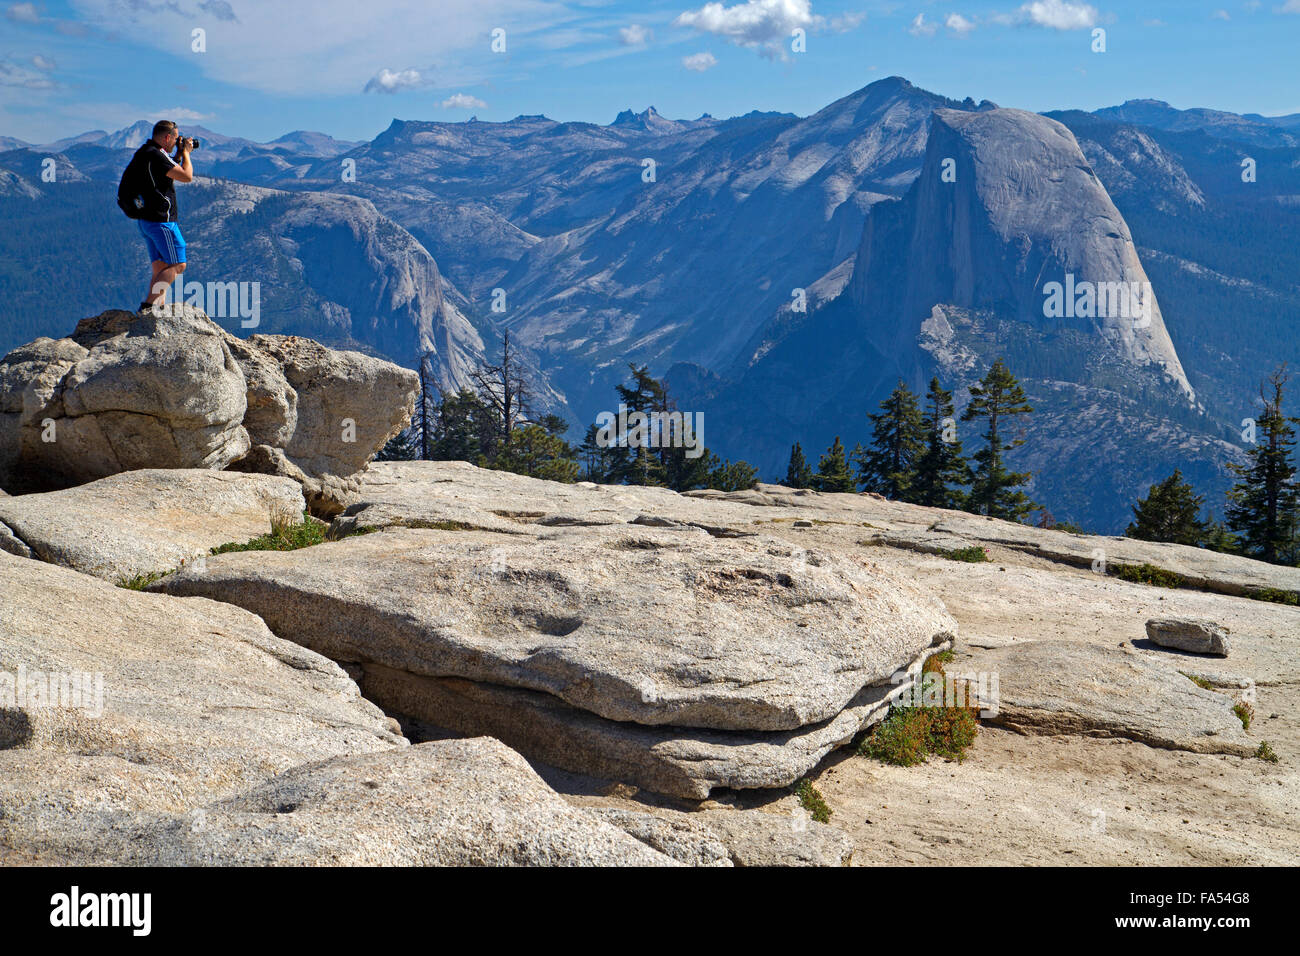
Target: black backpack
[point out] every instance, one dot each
(130, 191)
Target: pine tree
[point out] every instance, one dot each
(505, 390)
(994, 489)
(729, 475)
(833, 470)
(1219, 538)
(404, 446)
(1264, 504)
(888, 467)
(942, 466)
(462, 428)
(535, 452)
(1170, 512)
(799, 473)
(639, 464)
(598, 461)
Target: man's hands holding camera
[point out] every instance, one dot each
(186, 144)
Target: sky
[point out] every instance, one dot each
(262, 68)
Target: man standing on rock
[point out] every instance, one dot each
(154, 174)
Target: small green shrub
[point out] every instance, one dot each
(1265, 752)
(288, 533)
(810, 798)
(972, 555)
(910, 735)
(1275, 595)
(1244, 712)
(1149, 574)
(141, 581)
(951, 731)
(899, 739)
(1198, 680)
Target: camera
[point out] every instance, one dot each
(181, 140)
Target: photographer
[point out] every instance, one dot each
(153, 174)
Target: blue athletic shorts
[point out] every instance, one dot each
(164, 240)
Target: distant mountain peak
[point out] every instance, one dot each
(643, 120)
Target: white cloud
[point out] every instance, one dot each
(13, 74)
(699, 62)
(959, 24)
(1291, 6)
(847, 21)
(463, 101)
(1220, 15)
(1056, 15)
(920, 28)
(764, 25)
(635, 35)
(182, 115)
(335, 47)
(23, 13)
(388, 81)
(43, 63)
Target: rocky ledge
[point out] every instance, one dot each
(169, 388)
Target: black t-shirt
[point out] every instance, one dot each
(157, 189)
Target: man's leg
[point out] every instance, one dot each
(155, 292)
(162, 278)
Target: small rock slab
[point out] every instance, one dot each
(676, 761)
(640, 625)
(138, 522)
(1189, 634)
(1070, 687)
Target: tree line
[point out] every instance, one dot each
(492, 424)
(1262, 512)
(914, 456)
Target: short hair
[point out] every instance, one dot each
(163, 127)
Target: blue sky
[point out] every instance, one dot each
(347, 68)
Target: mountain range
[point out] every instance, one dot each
(782, 272)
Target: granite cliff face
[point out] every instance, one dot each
(1005, 245)
(1006, 214)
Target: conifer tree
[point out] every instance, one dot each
(463, 428)
(1170, 512)
(888, 467)
(503, 388)
(598, 460)
(798, 474)
(1264, 505)
(639, 465)
(729, 475)
(995, 490)
(833, 470)
(537, 453)
(942, 469)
